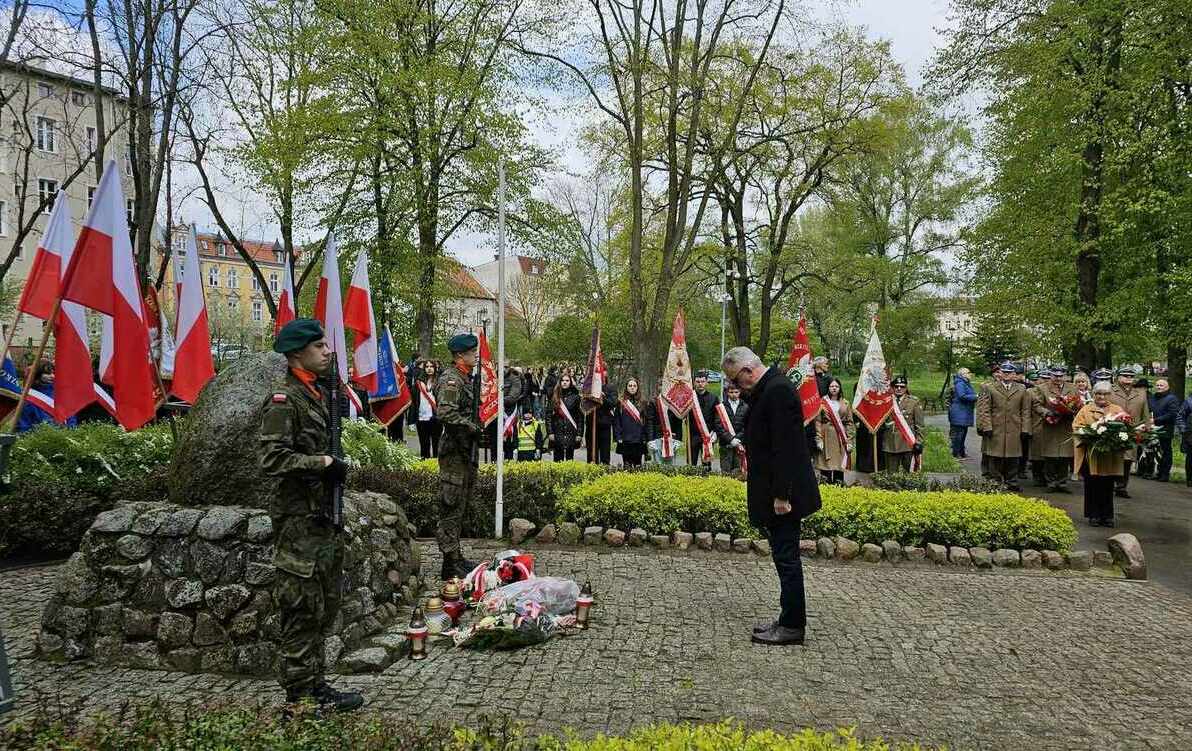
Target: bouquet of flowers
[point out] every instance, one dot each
(1063, 408)
(1109, 435)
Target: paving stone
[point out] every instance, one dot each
(825, 548)
(637, 537)
(548, 534)
(1127, 553)
(937, 553)
(914, 553)
(1032, 559)
(593, 535)
(1080, 560)
(982, 557)
(660, 541)
(959, 556)
(871, 553)
(614, 538)
(682, 540)
(519, 530)
(892, 551)
(722, 543)
(569, 533)
(703, 540)
(742, 545)
(1006, 558)
(846, 549)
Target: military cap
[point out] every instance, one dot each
(1055, 371)
(1128, 370)
(701, 374)
(898, 381)
(1034, 375)
(1019, 368)
(462, 342)
(1101, 374)
(1007, 367)
(297, 334)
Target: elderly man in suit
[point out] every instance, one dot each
(1134, 402)
(1003, 414)
(781, 488)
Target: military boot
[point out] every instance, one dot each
(464, 565)
(451, 565)
(340, 701)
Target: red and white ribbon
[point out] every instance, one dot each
(562, 411)
(631, 409)
(704, 434)
(428, 395)
(668, 446)
(908, 435)
(727, 424)
(509, 423)
(838, 426)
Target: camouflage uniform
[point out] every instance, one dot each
(457, 467)
(309, 552)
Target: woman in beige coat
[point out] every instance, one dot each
(833, 454)
(1098, 469)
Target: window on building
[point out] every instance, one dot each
(257, 311)
(233, 305)
(256, 285)
(79, 98)
(279, 256)
(213, 276)
(274, 284)
(130, 211)
(20, 252)
(45, 90)
(90, 195)
(180, 271)
(46, 130)
(47, 190)
(221, 249)
(128, 160)
(92, 139)
(233, 280)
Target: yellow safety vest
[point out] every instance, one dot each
(525, 435)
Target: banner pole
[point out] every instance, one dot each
(499, 511)
(11, 333)
(41, 350)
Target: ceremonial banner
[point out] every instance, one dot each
(874, 399)
(592, 393)
(329, 311)
(392, 397)
(194, 366)
(490, 400)
(359, 319)
(677, 389)
(799, 370)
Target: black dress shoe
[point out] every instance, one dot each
(1107, 523)
(780, 636)
(1122, 493)
(761, 628)
(341, 701)
(1094, 522)
(1013, 486)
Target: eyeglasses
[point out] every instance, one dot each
(733, 379)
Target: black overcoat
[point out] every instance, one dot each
(779, 460)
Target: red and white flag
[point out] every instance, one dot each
(592, 393)
(677, 389)
(359, 319)
(799, 370)
(874, 399)
(908, 434)
(287, 309)
(103, 276)
(72, 355)
(329, 311)
(490, 400)
(193, 365)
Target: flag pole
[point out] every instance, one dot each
(41, 350)
(499, 513)
(11, 333)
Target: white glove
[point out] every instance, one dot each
(735, 442)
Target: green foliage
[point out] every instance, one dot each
(94, 457)
(659, 504)
(156, 725)
(923, 483)
(937, 452)
(565, 339)
(366, 444)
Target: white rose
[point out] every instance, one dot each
(1101, 429)
(1124, 436)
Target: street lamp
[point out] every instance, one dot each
(725, 297)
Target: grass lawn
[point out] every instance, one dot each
(937, 454)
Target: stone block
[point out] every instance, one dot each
(549, 534)
(142, 654)
(981, 557)
(1006, 558)
(846, 549)
(722, 543)
(186, 659)
(742, 545)
(703, 540)
(108, 619)
(134, 547)
(115, 520)
(593, 535)
(77, 583)
(914, 553)
(216, 659)
(871, 553)
(260, 528)
(520, 529)
(71, 621)
(807, 548)
(244, 624)
(108, 650)
(637, 537)
(660, 541)
(892, 550)
(366, 660)
(1031, 559)
(1127, 553)
(149, 522)
(139, 624)
(682, 540)
(762, 547)
(172, 557)
(49, 644)
(959, 556)
(180, 523)
(220, 523)
(1102, 559)
(394, 643)
(184, 593)
(208, 560)
(226, 599)
(261, 574)
(333, 647)
(937, 553)
(569, 533)
(208, 631)
(825, 548)
(1080, 560)
(614, 538)
(1053, 560)
(174, 630)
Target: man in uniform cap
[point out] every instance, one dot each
(1003, 410)
(1038, 381)
(1134, 402)
(457, 463)
(897, 454)
(308, 549)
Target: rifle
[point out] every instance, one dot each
(333, 502)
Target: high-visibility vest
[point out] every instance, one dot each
(526, 431)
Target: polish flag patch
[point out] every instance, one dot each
(279, 398)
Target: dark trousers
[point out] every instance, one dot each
(603, 449)
(1024, 460)
(1098, 495)
(730, 459)
(897, 462)
(784, 547)
(957, 434)
(1124, 479)
(831, 477)
(695, 450)
(1056, 470)
(632, 453)
(1039, 471)
(1163, 468)
(527, 456)
(1003, 470)
(428, 437)
(564, 454)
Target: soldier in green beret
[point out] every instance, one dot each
(308, 550)
(457, 463)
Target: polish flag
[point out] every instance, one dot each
(800, 372)
(286, 309)
(72, 356)
(102, 275)
(329, 311)
(193, 365)
(359, 319)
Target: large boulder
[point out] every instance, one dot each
(215, 461)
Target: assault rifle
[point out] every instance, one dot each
(333, 502)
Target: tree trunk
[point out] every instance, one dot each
(1177, 365)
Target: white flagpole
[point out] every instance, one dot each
(498, 517)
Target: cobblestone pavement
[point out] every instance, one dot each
(973, 660)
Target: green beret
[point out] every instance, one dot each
(462, 343)
(297, 334)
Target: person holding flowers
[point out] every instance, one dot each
(1133, 401)
(1102, 433)
(1055, 403)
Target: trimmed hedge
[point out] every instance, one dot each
(923, 483)
(155, 725)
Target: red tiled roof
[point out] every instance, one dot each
(527, 264)
(463, 280)
(260, 250)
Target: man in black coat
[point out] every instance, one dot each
(730, 444)
(781, 488)
(1165, 406)
(705, 402)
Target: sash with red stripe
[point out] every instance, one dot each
(727, 424)
(668, 447)
(703, 432)
(838, 426)
(908, 435)
(631, 409)
(510, 421)
(562, 411)
(427, 395)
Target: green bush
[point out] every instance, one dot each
(937, 452)
(923, 483)
(94, 457)
(366, 444)
(662, 504)
(155, 725)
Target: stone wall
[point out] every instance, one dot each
(167, 586)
